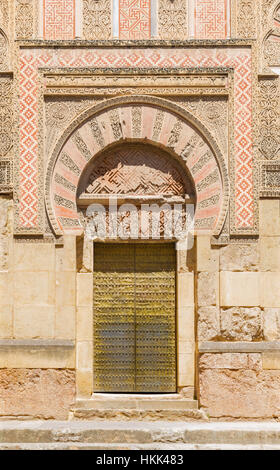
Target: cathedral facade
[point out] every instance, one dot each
(125, 106)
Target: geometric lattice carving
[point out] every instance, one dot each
(5, 176)
(210, 19)
(135, 171)
(59, 19)
(270, 180)
(135, 19)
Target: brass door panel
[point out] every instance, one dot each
(134, 318)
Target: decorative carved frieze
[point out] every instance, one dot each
(127, 78)
(97, 21)
(172, 19)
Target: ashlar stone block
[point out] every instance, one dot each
(239, 258)
(239, 289)
(207, 289)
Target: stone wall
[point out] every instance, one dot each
(238, 385)
(36, 393)
(37, 324)
(233, 383)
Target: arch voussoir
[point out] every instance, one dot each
(142, 119)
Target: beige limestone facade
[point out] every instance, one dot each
(183, 104)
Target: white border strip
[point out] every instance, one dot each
(78, 19)
(191, 18)
(228, 13)
(116, 26)
(154, 19)
(40, 19)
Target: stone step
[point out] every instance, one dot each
(137, 407)
(169, 414)
(135, 434)
(136, 404)
(122, 446)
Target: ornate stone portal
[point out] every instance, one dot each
(169, 101)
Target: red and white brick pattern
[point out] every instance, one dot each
(134, 19)
(210, 19)
(59, 19)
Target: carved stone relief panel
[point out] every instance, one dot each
(6, 132)
(97, 19)
(213, 112)
(270, 179)
(24, 19)
(271, 33)
(5, 15)
(59, 112)
(172, 19)
(4, 52)
(269, 119)
(246, 19)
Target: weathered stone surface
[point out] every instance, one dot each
(271, 324)
(239, 258)
(240, 393)
(139, 415)
(36, 393)
(112, 435)
(234, 361)
(187, 392)
(241, 324)
(208, 323)
(6, 222)
(207, 289)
